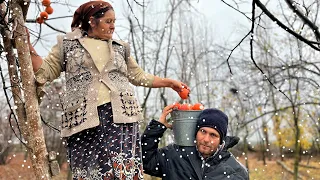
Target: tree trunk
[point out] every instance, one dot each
(4, 155)
(281, 151)
(263, 151)
(246, 151)
(267, 143)
(32, 131)
(296, 145)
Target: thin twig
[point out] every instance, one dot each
(240, 12)
(234, 49)
(251, 51)
(138, 3)
(315, 29)
(273, 18)
(134, 15)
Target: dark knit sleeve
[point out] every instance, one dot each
(152, 157)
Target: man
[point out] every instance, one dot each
(209, 159)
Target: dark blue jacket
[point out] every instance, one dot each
(175, 162)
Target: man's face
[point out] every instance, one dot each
(208, 140)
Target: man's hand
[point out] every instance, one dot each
(163, 117)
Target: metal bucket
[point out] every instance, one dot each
(184, 126)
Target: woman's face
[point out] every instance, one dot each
(103, 28)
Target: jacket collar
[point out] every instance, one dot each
(222, 151)
(231, 141)
(76, 34)
(195, 160)
(195, 157)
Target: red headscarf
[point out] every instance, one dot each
(85, 11)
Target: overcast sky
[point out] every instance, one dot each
(224, 21)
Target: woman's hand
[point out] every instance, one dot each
(178, 86)
(163, 118)
(166, 82)
(35, 58)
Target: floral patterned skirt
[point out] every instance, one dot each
(108, 151)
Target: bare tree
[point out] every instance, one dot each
(26, 98)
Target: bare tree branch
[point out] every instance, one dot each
(273, 18)
(239, 11)
(296, 10)
(251, 50)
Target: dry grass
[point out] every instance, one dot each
(270, 171)
(307, 170)
(20, 169)
(273, 171)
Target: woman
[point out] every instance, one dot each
(101, 113)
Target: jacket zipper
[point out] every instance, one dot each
(202, 167)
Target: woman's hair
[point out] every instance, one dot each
(101, 12)
(82, 15)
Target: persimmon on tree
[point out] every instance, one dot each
(49, 10)
(46, 3)
(44, 15)
(40, 20)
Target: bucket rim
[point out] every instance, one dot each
(187, 110)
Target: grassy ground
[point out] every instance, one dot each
(273, 171)
(20, 169)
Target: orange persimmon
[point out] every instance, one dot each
(49, 9)
(197, 106)
(44, 15)
(176, 105)
(185, 107)
(40, 20)
(46, 3)
(184, 93)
